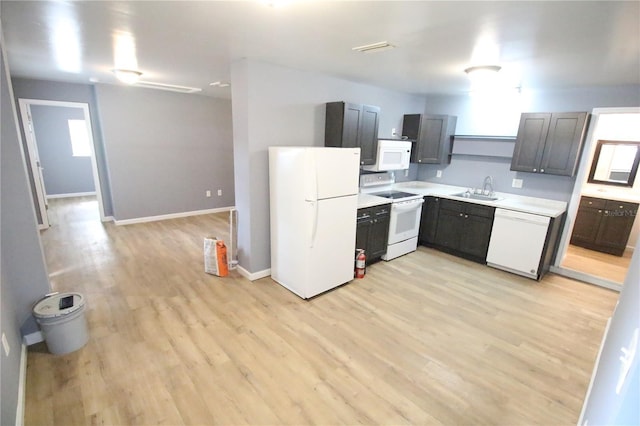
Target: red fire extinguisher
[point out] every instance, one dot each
(361, 260)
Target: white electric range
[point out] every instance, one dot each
(406, 209)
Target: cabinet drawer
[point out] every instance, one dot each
(446, 204)
(596, 203)
(381, 211)
(480, 210)
(622, 208)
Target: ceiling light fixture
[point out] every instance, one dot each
(219, 84)
(483, 77)
(127, 76)
(168, 87)
(373, 47)
(490, 69)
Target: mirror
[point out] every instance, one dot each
(615, 163)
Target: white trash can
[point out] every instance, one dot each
(62, 321)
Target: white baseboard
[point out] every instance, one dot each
(171, 216)
(71, 195)
(108, 219)
(22, 386)
(252, 276)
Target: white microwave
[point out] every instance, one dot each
(391, 155)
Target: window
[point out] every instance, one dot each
(79, 138)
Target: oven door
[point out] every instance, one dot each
(405, 220)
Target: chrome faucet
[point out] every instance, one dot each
(488, 181)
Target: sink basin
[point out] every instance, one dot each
(472, 196)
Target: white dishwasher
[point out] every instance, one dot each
(517, 241)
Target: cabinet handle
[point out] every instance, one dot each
(621, 207)
(541, 170)
(590, 202)
(599, 211)
(466, 215)
(461, 214)
(535, 170)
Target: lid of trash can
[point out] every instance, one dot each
(57, 305)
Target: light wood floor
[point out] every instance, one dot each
(425, 339)
(603, 265)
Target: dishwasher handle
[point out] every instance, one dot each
(521, 216)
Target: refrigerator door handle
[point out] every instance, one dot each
(314, 225)
(311, 186)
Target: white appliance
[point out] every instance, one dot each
(517, 241)
(391, 155)
(314, 202)
(406, 209)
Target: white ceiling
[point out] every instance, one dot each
(540, 45)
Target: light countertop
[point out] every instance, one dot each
(539, 206)
(368, 200)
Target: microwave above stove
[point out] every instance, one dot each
(391, 155)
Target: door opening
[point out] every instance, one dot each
(78, 131)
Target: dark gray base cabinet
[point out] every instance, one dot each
(604, 225)
(349, 125)
(372, 231)
(457, 227)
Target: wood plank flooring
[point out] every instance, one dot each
(425, 339)
(603, 265)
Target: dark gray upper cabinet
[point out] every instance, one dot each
(349, 125)
(431, 135)
(549, 143)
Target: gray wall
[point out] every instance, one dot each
(23, 273)
(274, 105)
(63, 173)
(500, 117)
(165, 150)
(69, 92)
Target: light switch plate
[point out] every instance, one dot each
(439, 173)
(516, 183)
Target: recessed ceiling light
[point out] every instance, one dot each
(219, 84)
(127, 76)
(374, 47)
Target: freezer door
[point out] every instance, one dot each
(331, 172)
(330, 256)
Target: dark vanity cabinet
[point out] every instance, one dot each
(549, 143)
(349, 125)
(372, 231)
(603, 225)
(457, 227)
(431, 135)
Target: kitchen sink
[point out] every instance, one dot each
(473, 196)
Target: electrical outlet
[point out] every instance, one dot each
(219, 192)
(5, 345)
(439, 174)
(208, 193)
(516, 183)
(393, 132)
(406, 172)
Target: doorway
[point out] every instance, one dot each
(72, 169)
(584, 261)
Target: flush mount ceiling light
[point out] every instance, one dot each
(483, 77)
(127, 76)
(219, 84)
(374, 47)
(483, 69)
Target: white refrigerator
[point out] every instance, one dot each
(314, 201)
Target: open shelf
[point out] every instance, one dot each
(483, 146)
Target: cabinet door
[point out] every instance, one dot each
(448, 230)
(379, 234)
(433, 138)
(342, 124)
(563, 143)
(615, 226)
(351, 125)
(530, 141)
(429, 220)
(363, 230)
(586, 226)
(475, 236)
(368, 134)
